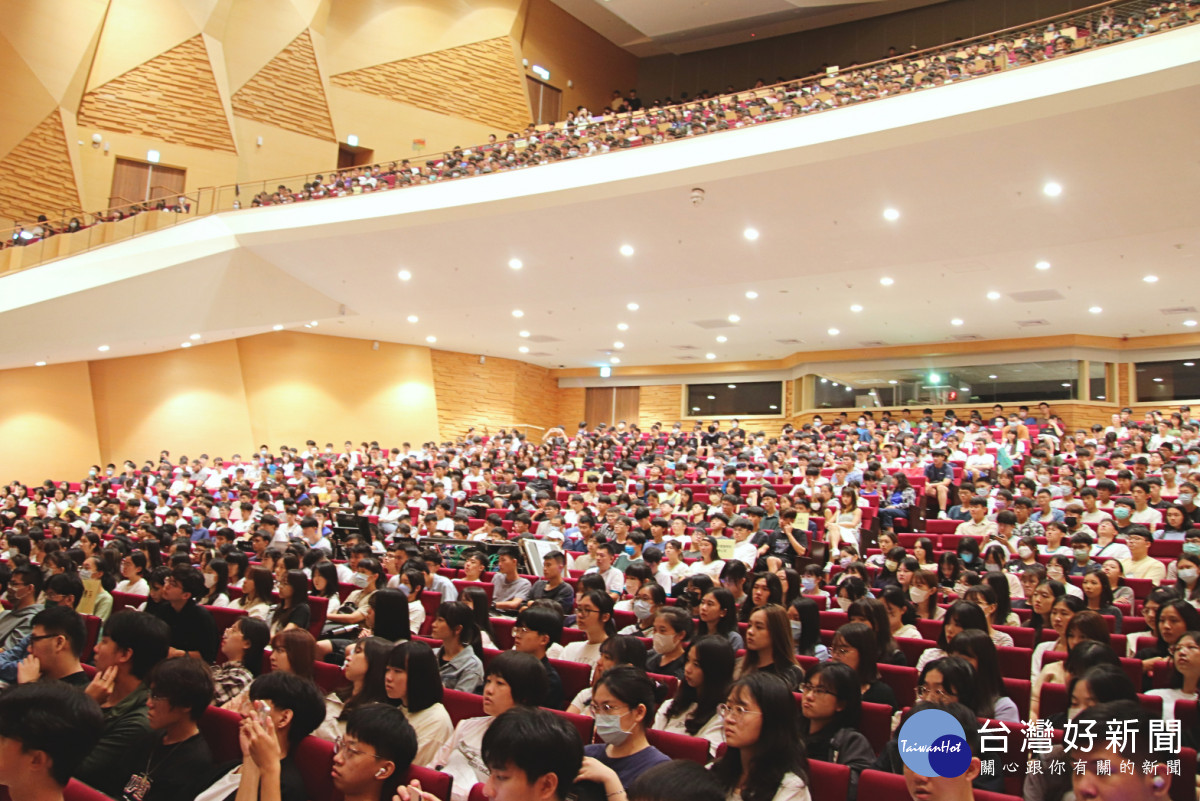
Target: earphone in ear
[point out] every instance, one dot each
(379, 774)
(1159, 782)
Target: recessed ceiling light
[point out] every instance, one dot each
(314, 323)
(431, 339)
(750, 233)
(523, 333)
(523, 349)
(622, 326)
(614, 360)
(824, 380)
(712, 397)
(956, 321)
(1043, 265)
(1095, 309)
(618, 345)
(722, 338)
(887, 281)
(710, 355)
(834, 384)
(1150, 279)
(893, 381)
(732, 386)
(1158, 380)
(516, 264)
(632, 306)
(626, 250)
(833, 332)
(103, 348)
(1190, 323)
(856, 308)
(1052, 189)
(39, 364)
(185, 344)
(404, 275)
(993, 377)
(194, 336)
(733, 318)
(993, 295)
(412, 318)
(751, 294)
(518, 313)
(891, 214)
(277, 327)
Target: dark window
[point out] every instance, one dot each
(732, 399)
(1168, 381)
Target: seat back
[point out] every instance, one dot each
(876, 724)
(432, 781)
(125, 600)
(78, 791)
(328, 677)
(92, 625)
(679, 746)
(224, 617)
(460, 705)
(828, 781)
(219, 728)
(1020, 691)
(318, 606)
(314, 758)
(913, 648)
(583, 724)
(575, 676)
(902, 680)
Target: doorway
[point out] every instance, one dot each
(545, 102)
(354, 156)
(610, 405)
(142, 182)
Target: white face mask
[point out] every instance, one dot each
(1025, 552)
(85, 574)
(918, 594)
(1187, 574)
(210, 580)
(844, 603)
(663, 643)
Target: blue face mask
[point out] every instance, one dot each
(629, 550)
(967, 557)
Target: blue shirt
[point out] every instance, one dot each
(630, 767)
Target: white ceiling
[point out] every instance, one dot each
(654, 27)
(973, 220)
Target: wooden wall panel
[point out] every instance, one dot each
(660, 404)
(288, 93)
(36, 176)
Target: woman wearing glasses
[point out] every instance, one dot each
(764, 757)
(623, 705)
(855, 645)
(1185, 657)
(831, 712)
(707, 675)
(593, 616)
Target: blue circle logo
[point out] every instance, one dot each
(932, 743)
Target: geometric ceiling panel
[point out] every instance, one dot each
(287, 92)
(479, 81)
(36, 176)
(172, 97)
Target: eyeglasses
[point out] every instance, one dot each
(842, 650)
(815, 689)
(581, 611)
(606, 709)
(731, 711)
(1189, 647)
(520, 631)
(39, 637)
(924, 691)
(340, 745)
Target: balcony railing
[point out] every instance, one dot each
(69, 232)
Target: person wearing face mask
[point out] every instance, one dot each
(1122, 515)
(1187, 576)
(650, 598)
(673, 628)
(97, 583)
(1081, 549)
(1188, 495)
(617, 650)
(1106, 546)
(804, 621)
(623, 704)
(969, 553)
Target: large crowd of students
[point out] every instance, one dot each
(630, 122)
(720, 590)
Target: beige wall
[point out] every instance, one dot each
(47, 426)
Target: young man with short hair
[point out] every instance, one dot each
(45, 731)
(193, 630)
(552, 586)
(374, 754)
(510, 589)
(62, 589)
(55, 646)
(606, 556)
(1140, 564)
(978, 526)
(531, 755)
(23, 590)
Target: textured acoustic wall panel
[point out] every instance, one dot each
(287, 92)
(172, 97)
(479, 81)
(36, 176)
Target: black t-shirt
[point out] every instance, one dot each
(192, 628)
(291, 781)
(80, 680)
(174, 771)
(301, 615)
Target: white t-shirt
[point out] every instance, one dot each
(139, 587)
(433, 727)
(791, 788)
(1169, 697)
(712, 730)
(462, 757)
(579, 651)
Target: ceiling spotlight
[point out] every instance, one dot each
(194, 336)
(993, 377)
(185, 344)
(618, 345)
(751, 294)
(935, 379)
(834, 384)
(523, 349)
(956, 321)
(1066, 383)
(518, 313)
(614, 360)
(404, 275)
(1095, 309)
(722, 338)
(733, 318)
(626, 250)
(833, 332)
(712, 397)
(849, 389)
(1157, 381)
(1150, 279)
(39, 364)
(732, 386)
(750, 233)
(993, 295)
(632, 306)
(824, 380)
(1043, 265)
(856, 308)
(710, 355)
(523, 333)
(893, 381)
(277, 328)
(412, 318)
(431, 339)
(516, 264)
(1185, 364)
(622, 326)
(891, 215)
(887, 281)
(313, 323)
(1052, 189)
(103, 348)
(1190, 323)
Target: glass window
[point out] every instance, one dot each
(761, 398)
(1168, 381)
(1018, 382)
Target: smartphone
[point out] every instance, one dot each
(262, 711)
